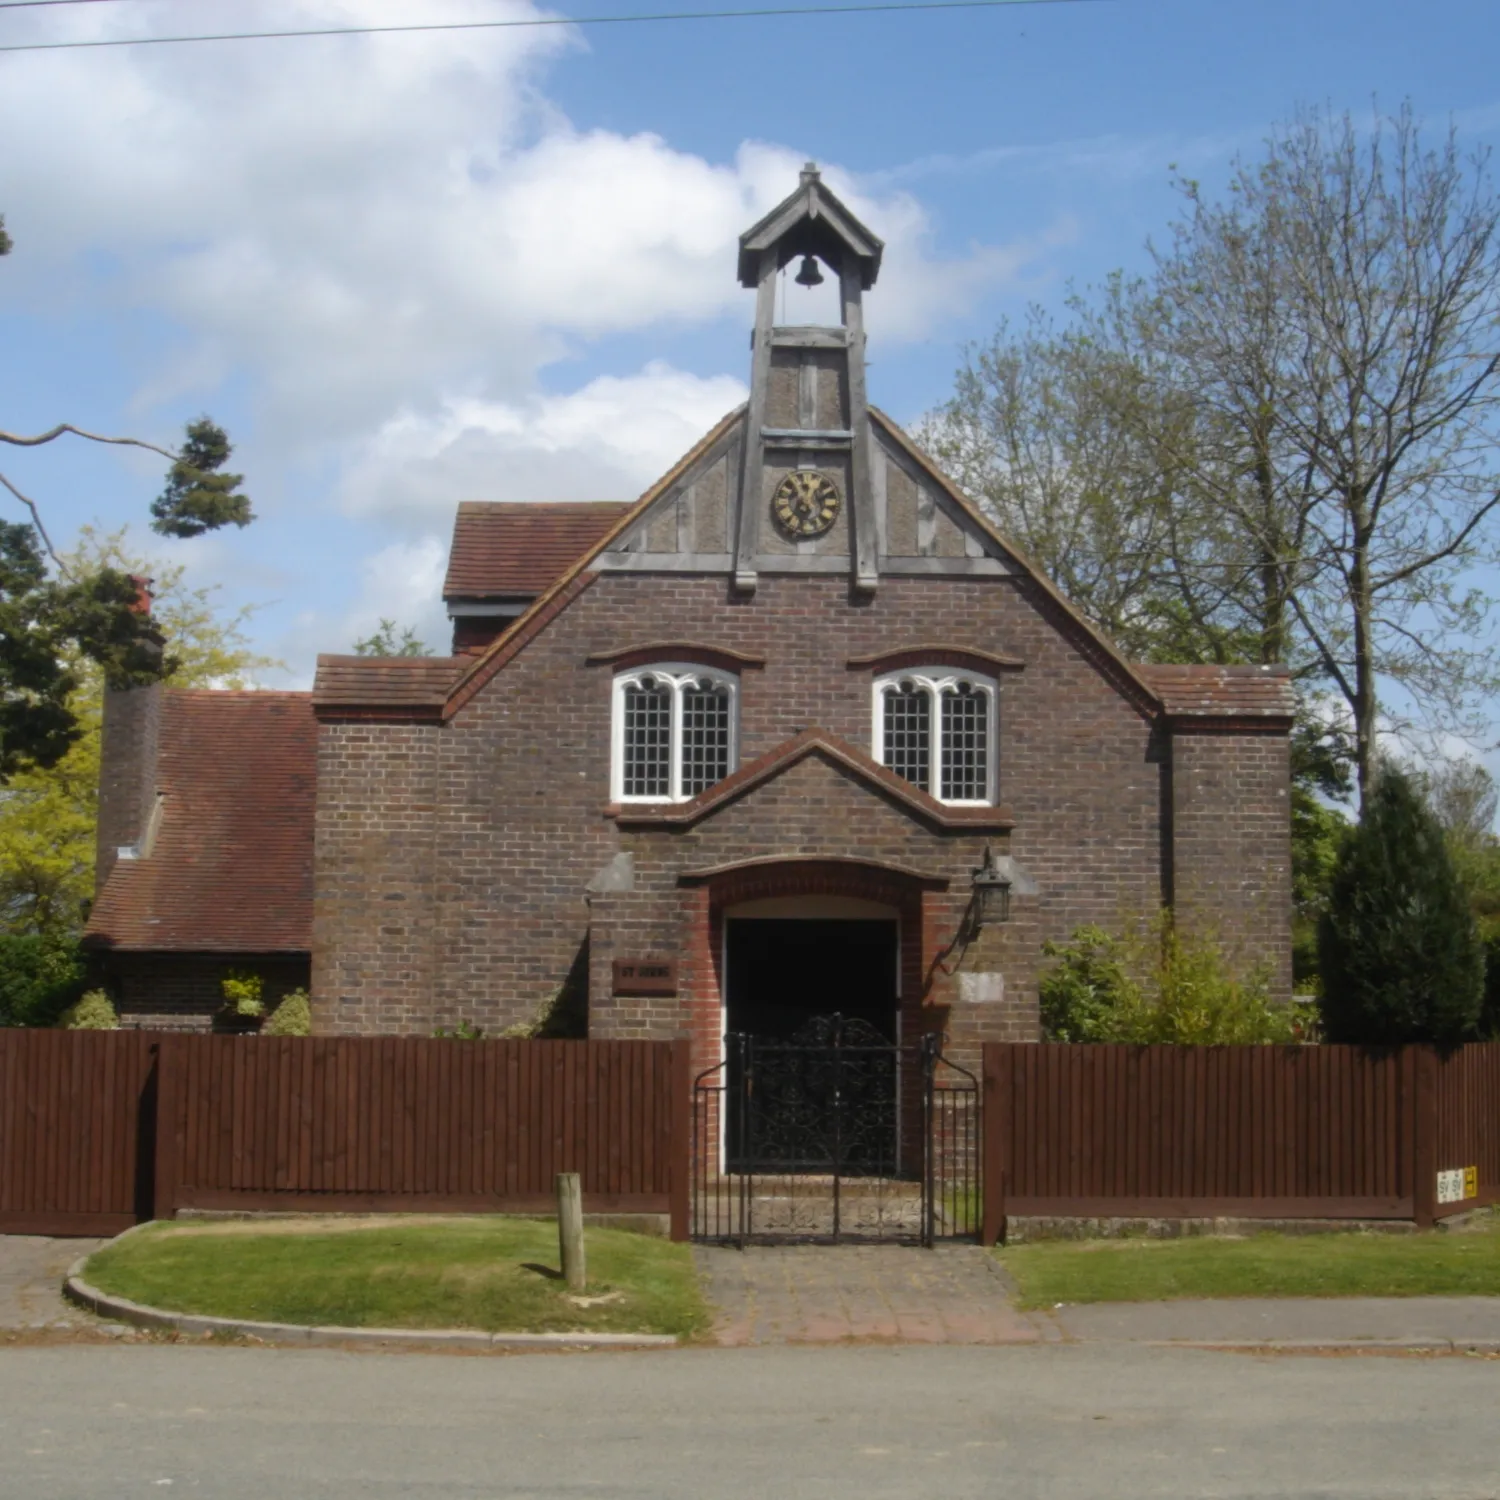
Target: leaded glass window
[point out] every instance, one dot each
(966, 743)
(705, 735)
(648, 738)
(908, 732)
(675, 733)
(937, 730)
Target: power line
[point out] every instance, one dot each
(676, 15)
(34, 4)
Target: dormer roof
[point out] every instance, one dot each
(811, 221)
(505, 550)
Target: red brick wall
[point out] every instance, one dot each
(375, 877)
(453, 861)
(129, 740)
(1231, 869)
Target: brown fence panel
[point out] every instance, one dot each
(76, 1116)
(1187, 1131)
(359, 1123)
(1468, 1121)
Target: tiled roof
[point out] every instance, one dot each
(503, 550)
(1222, 692)
(230, 869)
(396, 681)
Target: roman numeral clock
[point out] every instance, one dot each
(806, 503)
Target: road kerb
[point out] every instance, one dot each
(198, 1325)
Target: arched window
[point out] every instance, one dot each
(675, 732)
(938, 730)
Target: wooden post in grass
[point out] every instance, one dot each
(570, 1229)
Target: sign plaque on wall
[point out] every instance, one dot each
(645, 976)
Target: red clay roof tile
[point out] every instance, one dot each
(505, 550)
(405, 681)
(230, 870)
(1222, 692)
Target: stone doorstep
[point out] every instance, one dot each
(122, 1308)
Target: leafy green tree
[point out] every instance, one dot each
(389, 641)
(52, 620)
(1398, 949)
(1322, 781)
(1464, 799)
(40, 973)
(48, 813)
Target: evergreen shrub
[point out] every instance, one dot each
(94, 1011)
(293, 1017)
(1155, 982)
(1397, 947)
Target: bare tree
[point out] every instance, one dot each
(1340, 317)
(1463, 798)
(1036, 433)
(1281, 444)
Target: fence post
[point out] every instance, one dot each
(994, 1120)
(1424, 1138)
(166, 1165)
(680, 1174)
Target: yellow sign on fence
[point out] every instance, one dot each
(1457, 1184)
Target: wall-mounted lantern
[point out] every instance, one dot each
(991, 902)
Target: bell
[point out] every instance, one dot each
(809, 275)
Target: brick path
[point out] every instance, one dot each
(816, 1294)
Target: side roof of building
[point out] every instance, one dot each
(226, 865)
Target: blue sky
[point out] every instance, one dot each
(406, 271)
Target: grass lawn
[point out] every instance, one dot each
(489, 1273)
(1435, 1263)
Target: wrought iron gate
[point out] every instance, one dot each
(835, 1134)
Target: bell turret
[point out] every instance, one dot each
(806, 461)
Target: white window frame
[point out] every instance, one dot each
(935, 681)
(675, 675)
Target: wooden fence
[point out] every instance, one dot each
(98, 1131)
(1267, 1132)
(77, 1114)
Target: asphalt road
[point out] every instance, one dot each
(770, 1423)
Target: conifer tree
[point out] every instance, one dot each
(1398, 949)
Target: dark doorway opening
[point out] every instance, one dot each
(782, 973)
(812, 1055)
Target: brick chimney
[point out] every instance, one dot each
(129, 745)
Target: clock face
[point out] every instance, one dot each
(806, 503)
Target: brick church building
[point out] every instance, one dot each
(720, 759)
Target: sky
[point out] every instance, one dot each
(405, 271)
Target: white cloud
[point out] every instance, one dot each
(607, 441)
(356, 222)
(402, 583)
(387, 248)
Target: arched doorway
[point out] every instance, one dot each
(814, 1122)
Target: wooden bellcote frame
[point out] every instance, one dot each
(813, 222)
